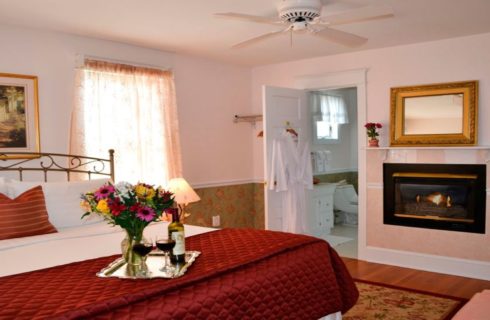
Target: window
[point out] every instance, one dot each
(328, 113)
(327, 130)
(132, 110)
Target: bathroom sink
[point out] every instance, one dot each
(325, 185)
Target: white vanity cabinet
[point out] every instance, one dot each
(322, 207)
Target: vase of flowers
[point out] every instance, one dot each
(132, 207)
(372, 134)
(131, 256)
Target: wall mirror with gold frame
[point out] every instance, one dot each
(436, 114)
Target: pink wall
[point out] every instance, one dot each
(459, 59)
(208, 95)
(215, 149)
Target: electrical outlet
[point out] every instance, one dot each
(216, 221)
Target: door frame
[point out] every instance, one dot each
(343, 79)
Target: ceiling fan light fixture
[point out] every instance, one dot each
(299, 10)
(300, 25)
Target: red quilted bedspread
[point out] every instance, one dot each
(241, 274)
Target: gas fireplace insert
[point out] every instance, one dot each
(435, 196)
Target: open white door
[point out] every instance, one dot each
(282, 107)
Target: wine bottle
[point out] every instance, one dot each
(176, 232)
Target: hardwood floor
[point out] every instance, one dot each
(415, 279)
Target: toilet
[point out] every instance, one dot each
(345, 200)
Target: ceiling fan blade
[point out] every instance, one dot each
(340, 37)
(259, 38)
(248, 17)
(357, 15)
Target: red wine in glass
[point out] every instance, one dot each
(142, 249)
(165, 244)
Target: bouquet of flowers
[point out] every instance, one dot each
(371, 129)
(132, 207)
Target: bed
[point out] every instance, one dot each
(240, 274)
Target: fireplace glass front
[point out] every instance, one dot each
(446, 197)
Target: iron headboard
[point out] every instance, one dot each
(57, 162)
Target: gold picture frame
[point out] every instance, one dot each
(443, 114)
(19, 115)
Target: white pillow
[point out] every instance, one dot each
(62, 199)
(3, 186)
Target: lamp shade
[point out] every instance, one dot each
(183, 192)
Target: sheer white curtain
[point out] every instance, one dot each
(133, 111)
(329, 108)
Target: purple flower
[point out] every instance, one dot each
(104, 192)
(146, 214)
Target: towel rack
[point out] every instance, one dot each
(252, 118)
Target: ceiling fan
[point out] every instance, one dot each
(305, 16)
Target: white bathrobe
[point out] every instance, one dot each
(291, 171)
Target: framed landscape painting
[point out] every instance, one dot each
(19, 115)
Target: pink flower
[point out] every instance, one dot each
(146, 214)
(104, 192)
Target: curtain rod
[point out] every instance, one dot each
(81, 61)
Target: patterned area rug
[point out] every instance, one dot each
(380, 301)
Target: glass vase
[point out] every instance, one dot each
(131, 257)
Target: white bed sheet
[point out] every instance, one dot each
(70, 245)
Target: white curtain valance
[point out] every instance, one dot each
(329, 108)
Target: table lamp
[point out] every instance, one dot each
(183, 195)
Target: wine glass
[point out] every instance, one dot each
(166, 245)
(142, 249)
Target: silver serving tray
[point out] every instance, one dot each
(149, 270)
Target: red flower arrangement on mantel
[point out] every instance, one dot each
(372, 133)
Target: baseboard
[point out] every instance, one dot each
(447, 265)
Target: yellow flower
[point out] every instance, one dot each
(102, 206)
(144, 191)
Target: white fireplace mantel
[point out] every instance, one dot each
(451, 154)
(431, 148)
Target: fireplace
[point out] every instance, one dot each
(435, 196)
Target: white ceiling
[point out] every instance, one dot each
(188, 26)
